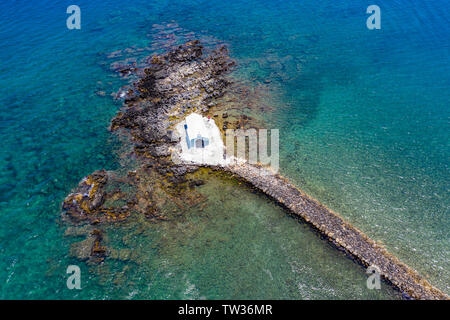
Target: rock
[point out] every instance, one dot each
(97, 201)
(167, 87)
(124, 254)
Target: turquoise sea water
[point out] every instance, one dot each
(364, 128)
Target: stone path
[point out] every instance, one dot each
(367, 251)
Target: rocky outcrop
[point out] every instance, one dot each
(87, 201)
(170, 86)
(165, 89)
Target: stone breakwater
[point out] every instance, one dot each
(341, 233)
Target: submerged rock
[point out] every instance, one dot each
(168, 87)
(89, 196)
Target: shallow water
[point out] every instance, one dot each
(363, 118)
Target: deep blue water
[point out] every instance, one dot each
(364, 128)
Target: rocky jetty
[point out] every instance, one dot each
(341, 233)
